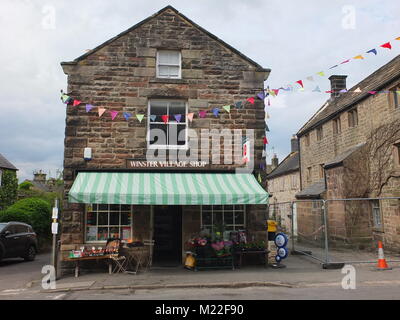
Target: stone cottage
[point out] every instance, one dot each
(173, 74)
(350, 149)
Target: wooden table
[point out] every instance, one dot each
(77, 260)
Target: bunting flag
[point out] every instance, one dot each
(266, 115)
(259, 178)
(387, 45)
(358, 57)
(190, 116)
(333, 66)
(265, 140)
(317, 89)
(215, 111)
(372, 92)
(343, 91)
(153, 117)
(251, 100)
(65, 99)
(300, 82)
(321, 73)
(127, 115)
(266, 128)
(165, 118)
(357, 90)
(264, 154)
(101, 111)
(178, 117)
(345, 61)
(227, 108)
(372, 51)
(398, 38)
(202, 113)
(261, 96)
(113, 114)
(76, 103)
(310, 78)
(275, 91)
(239, 105)
(140, 117)
(89, 107)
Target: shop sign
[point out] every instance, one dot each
(133, 164)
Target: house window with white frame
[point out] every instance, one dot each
(105, 221)
(232, 217)
(376, 214)
(169, 64)
(167, 127)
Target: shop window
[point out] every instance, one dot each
(353, 118)
(376, 214)
(168, 64)
(231, 217)
(171, 134)
(320, 133)
(337, 126)
(105, 221)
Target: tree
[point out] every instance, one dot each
(8, 188)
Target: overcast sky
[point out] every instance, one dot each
(294, 38)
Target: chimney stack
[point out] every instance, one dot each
(337, 83)
(274, 161)
(294, 142)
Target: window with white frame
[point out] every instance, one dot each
(232, 217)
(169, 64)
(376, 214)
(105, 221)
(167, 127)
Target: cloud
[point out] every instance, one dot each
(293, 38)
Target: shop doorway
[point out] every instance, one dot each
(167, 235)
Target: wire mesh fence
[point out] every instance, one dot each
(339, 231)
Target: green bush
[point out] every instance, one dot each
(8, 189)
(26, 185)
(33, 211)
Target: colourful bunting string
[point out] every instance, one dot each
(300, 82)
(165, 118)
(251, 100)
(215, 112)
(140, 117)
(345, 61)
(89, 107)
(178, 117)
(265, 140)
(153, 117)
(127, 115)
(372, 92)
(202, 113)
(76, 103)
(113, 114)
(190, 116)
(333, 66)
(227, 108)
(357, 90)
(387, 45)
(372, 51)
(101, 111)
(261, 96)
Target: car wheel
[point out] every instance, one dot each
(30, 254)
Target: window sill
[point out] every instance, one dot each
(169, 80)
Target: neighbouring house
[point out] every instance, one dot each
(40, 183)
(351, 149)
(7, 172)
(173, 72)
(283, 183)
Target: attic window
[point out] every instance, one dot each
(169, 64)
(353, 118)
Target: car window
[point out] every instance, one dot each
(19, 228)
(11, 229)
(2, 226)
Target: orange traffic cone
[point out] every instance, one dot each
(382, 265)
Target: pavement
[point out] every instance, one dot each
(301, 275)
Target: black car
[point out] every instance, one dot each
(17, 239)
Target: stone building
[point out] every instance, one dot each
(283, 183)
(8, 173)
(350, 149)
(164, 66)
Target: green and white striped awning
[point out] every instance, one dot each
(167, 188)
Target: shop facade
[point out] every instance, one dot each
(174, 166)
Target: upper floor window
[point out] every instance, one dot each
(337, 126)
(320, 133)
(307, 139)
(169, 64)
(308, 177)
(167, 124)
(321, 171)
(353, 118)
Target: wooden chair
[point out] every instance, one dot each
(113, 246)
